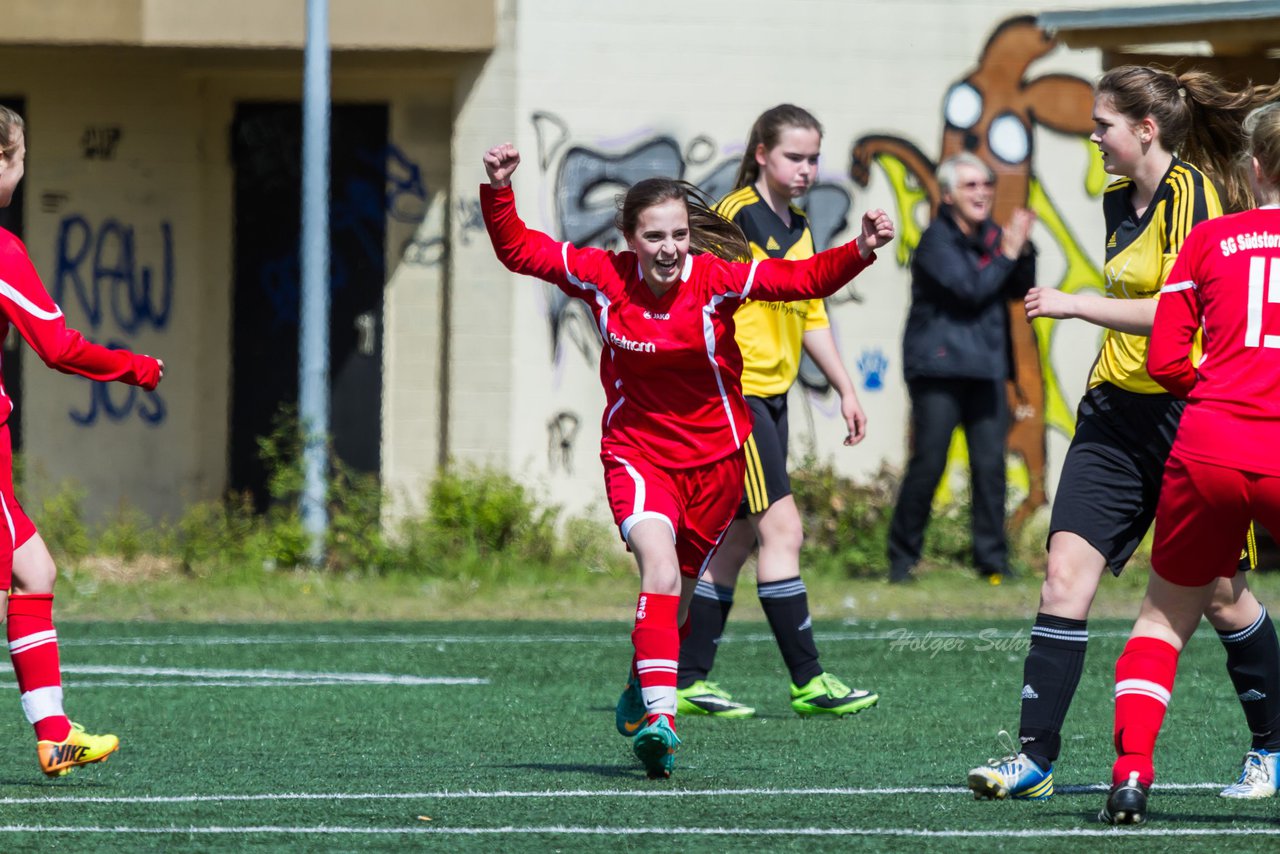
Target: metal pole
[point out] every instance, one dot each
(313, 333)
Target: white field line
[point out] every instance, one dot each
(612, 635)
(562, 830)
(242, 678)
(468, 794)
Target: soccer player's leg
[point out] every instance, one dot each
(709, 609)
(33, 643)
(644, 502)
(1103, 507)
(1202, 516)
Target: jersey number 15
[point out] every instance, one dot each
(1253, 336)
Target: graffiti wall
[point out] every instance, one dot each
(1012, 96)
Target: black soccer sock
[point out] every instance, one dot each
(786, 605)
(1050, 677)
(708, 611)
(1253, 661)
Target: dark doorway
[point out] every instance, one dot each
(11, 358)
(267, 157)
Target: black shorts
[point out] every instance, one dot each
(766, 447)
(1110, 482)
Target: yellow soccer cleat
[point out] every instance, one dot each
(78, 748)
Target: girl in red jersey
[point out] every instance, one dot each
(27, 571)
(675, 417)
(1223, 470)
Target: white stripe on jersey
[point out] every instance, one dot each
(8, 290)
(1174, 287)
(709, 335)
(751, 278)
(601, 299)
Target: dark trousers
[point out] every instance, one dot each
(938, 406)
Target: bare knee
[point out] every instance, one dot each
(1069, 586)
(1233, 606)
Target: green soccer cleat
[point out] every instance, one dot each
(655, 747)
(708, 698)
(629, 714)
(827, 695)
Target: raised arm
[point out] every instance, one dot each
(24, 300)
(824, 273)
(520, 248)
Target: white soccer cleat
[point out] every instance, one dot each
(1257, 778)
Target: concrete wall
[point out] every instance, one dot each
(479, 365)
(675, 88)
(129, 221)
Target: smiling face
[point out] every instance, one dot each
(12, 166)
(661, 242)
(971, 196)
(791, 166)
(1119, 140)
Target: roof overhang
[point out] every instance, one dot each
(1237, 28)
(364, 25)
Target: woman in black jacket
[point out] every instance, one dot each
(957, 358)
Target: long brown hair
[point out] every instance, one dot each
(708, 231)
(1199, 118)
(767, 131)
(10, 124)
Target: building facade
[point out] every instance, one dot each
(161, 209)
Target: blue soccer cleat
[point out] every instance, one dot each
(629, 714)
(655, 747)
(1257, 778)
(1013, 776)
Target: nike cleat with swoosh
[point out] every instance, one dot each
(57, 758)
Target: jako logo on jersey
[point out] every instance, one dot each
(644, 600)
(627, 344)
(653, 315)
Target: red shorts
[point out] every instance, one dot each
(1203, 516)
(16, 528)
(698, 503)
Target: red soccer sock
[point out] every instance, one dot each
(1144, 684)
(33, 648)
(657, 642)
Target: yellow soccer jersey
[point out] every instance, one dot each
(1140, 254)
(771, 334)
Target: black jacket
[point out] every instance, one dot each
(958, 325)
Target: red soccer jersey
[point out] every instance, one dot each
(25, 304)
(670, 366)
(1226, 279)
